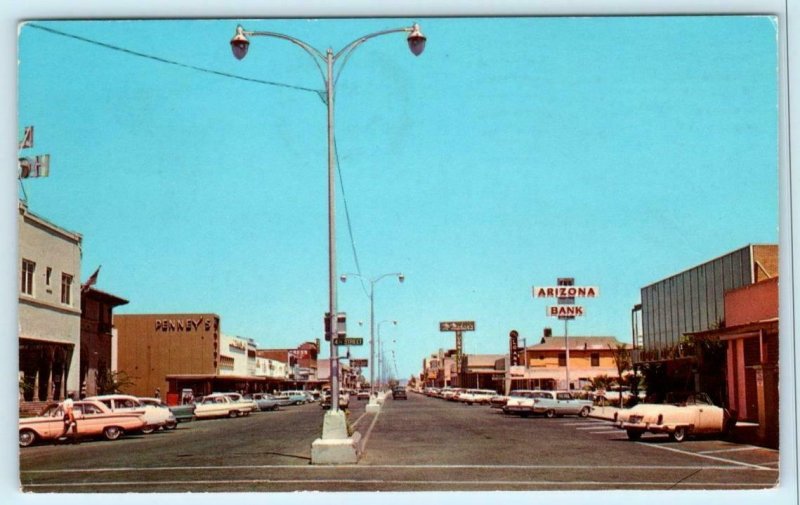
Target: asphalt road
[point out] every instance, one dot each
(419, 444)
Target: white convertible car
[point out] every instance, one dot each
(695, 413)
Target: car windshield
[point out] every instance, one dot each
(52, 410)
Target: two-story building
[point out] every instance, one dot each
(49, 309)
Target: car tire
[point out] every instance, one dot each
(585, 412)
(112, 432)
(469, 403)
(524, 414)
(148, 430)
(171, 426)
(550, 414)
(233, 414)
(27, 438)
(679, 435)
(634, 435)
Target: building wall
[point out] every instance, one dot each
(152, 346)
(42, 316)
(236, 349)
(756, 302)
(577, 359)
(693, 300)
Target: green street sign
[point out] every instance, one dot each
(348, 341)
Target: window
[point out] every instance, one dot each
(28, 267)
(66, 289)
(562, 359)
(48, 275)
(595, 359)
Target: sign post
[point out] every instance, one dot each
(458, 327)
(565, 292)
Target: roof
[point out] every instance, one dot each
(577, 342)
(104, 296)
(482, 359)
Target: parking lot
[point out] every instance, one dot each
(418, 444)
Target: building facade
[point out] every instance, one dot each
(151, 347)
(97, 338)
(544, 365)
(49, 309)
(694, 300)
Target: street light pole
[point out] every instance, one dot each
(240, 45)
(380, 345)
(372, 283)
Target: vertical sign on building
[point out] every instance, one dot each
(513, 347)
(458, 327)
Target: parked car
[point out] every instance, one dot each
(264, 401)
(218, 405)
(499, 401)
(155, 417)
(293, 397)
(683, 415)
(344, 400)
(363, 394)
(548, 403)
(157, 403)
(92, 418)
(246, 405)
(399, 393)
(479, 396)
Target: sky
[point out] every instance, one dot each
(513, 151)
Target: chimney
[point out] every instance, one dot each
(548, 332)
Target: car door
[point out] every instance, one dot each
(563, 403)
(709, 416)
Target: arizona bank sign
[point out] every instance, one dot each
(566, 291)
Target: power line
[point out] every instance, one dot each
(320, 93)
(159, 59)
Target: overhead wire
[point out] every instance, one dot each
(320, 93)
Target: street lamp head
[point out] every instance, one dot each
(416, 40)
(343, 278)
(401, 277)
(239, 43)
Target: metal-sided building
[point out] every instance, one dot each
(694, 301)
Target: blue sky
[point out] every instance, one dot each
(511, 152)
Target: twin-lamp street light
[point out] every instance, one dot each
(372, 282)
(240, 44)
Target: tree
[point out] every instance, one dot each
(623, 362)
(110, 381)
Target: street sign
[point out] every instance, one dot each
(363, 363)
(565, 311)
(457, 326)
(348, 341)
(566, 291)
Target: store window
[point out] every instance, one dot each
(28, 267)
(595, 359)
(562, 359)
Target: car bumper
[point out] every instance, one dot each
(517, 409)
(648, 427)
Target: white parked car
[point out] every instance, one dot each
(548, 403)
(219, 405)
(479, 396)
(246, 405)
(693, 413)
(155, 417)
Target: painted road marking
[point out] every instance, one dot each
(748, 448)
(369, 432)
(698, 455)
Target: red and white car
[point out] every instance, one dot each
(694, 413)
(93, 419)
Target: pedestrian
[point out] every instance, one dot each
(157, 394)
(69, 419)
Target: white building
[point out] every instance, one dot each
(49, 308)
(233, 359)
(271, 368)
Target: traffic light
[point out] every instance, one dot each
(341, 325)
